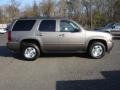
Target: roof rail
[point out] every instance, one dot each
(43, 18)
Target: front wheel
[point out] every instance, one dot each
(30, 51)
(97, 50)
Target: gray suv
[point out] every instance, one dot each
(113, 28)
(33, 36)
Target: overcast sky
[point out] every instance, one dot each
(22, 2)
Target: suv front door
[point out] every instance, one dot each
(72, 38)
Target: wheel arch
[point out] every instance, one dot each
(34, 41)
(97, 40)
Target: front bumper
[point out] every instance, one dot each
(13, 46)
(110, 45)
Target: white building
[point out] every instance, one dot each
(3, 28)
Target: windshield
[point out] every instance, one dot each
(109, 25)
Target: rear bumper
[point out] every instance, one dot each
(14, 46)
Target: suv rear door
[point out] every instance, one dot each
(49, 35)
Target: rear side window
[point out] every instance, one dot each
(23, 25)
(47, 26)
(117, 26)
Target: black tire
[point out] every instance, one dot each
(92, 53)
(34, 48)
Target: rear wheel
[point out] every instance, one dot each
(97, 50)
(30, 51)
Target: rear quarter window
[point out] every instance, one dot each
(23, 25)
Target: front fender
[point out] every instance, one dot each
(96, 38)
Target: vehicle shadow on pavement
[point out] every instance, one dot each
(54, 55)
(5, 52)
(111, 82)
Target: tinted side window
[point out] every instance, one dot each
(23, 25)
(47, 25)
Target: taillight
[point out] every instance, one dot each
(9, 36)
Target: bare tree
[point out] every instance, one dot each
(1, 15)
(97, 12)
(12, 10)
(31, 11)
(47, 8)
(117, 11)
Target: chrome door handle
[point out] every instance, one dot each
(61, 35)
(41, 34)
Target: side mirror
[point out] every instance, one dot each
(108, 31)
(76, 30)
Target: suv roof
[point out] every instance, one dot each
(27, 18)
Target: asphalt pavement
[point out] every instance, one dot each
(59, 71)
